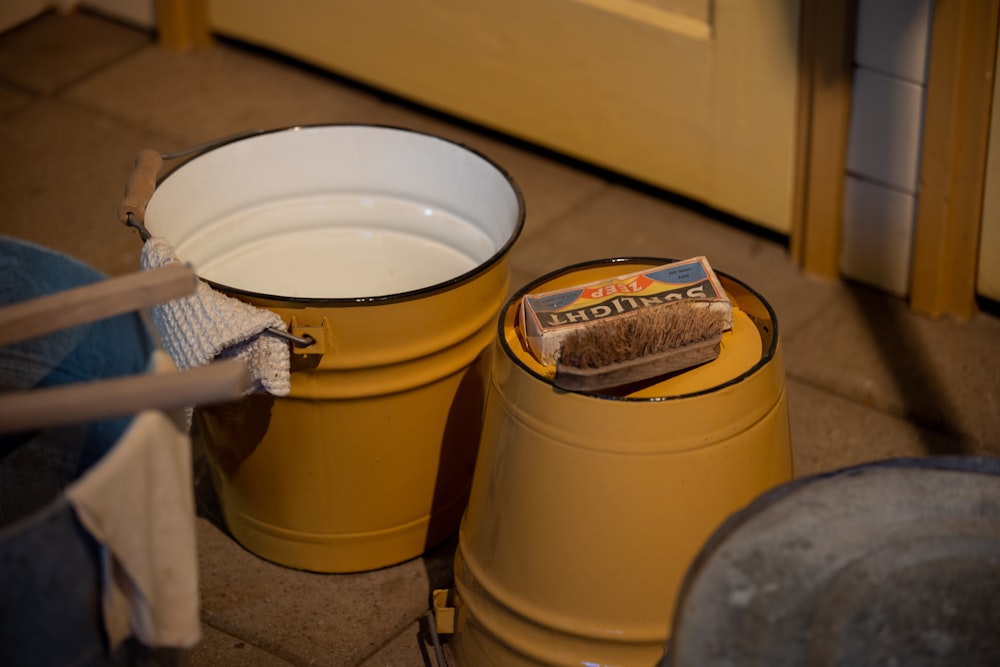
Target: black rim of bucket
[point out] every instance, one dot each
(765, 357)
(384, 298)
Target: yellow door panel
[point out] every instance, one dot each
(695, 96)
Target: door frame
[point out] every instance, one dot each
(826, 73)
(182, 25)
(955, 140)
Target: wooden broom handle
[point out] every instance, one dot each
(101, 399)
(36, 317)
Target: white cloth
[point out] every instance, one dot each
(208, 325)
(138, 503)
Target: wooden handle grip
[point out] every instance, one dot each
(36, 317)
(140, 186)
(102, 399)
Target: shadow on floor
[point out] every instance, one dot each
(925, 399)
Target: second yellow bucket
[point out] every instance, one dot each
(587, 509)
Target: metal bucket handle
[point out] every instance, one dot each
(142, 181)
(139, 190)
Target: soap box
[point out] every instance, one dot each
(548, 317)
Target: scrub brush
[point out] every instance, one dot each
(628, 328)
(648, 343)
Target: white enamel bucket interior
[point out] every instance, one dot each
(336, 212)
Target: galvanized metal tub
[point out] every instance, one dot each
(890, 562)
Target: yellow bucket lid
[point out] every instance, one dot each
(742, 348)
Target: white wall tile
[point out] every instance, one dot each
(885, 131)
(877, 235)
(893, 37)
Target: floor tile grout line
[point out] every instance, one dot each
(246, 641)
(59, 91)
(22, 88)
(65, 98)
(270, 651)
(544, 226)
(427, 613)
(788, 332)
(893, 414)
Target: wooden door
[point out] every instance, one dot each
(694, 96)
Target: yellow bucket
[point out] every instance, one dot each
(586, 510)
(389, 249)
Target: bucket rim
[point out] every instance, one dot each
(382, 299)
(766, 357)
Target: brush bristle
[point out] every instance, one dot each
(642, 333)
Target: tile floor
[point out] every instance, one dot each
(79, 95)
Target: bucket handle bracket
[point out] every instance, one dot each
(444, 612)
(321, 336)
